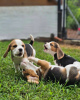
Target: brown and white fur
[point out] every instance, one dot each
(29, 71)
(60, 58)
(69, 73)
(20, 51)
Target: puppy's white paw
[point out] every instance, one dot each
(31, 58)
(15, 71)
(23, 65)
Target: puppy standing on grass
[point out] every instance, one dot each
(60, 58)
(20, 51)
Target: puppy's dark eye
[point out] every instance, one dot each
(51, 44)
(23, 69)
(22, 45)
(55, 46)
(14, 46)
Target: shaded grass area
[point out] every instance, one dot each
(15, 87)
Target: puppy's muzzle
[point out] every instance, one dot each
(20, 50)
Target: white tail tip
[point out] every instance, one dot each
(32, 38)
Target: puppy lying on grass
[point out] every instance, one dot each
(29, 71)
(70, 73)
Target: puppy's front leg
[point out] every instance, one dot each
(17, 68)
(42, 63)
(33, 59)
(23, 66)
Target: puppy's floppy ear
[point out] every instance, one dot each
(25, 54)
(60, 53)
(8, 49)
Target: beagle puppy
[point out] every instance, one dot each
(69, 73)
(29, 71)
(20, 51)
(31, 76)
(60, 58)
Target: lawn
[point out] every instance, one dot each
(15, 87)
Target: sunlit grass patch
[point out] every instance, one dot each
(15, 87)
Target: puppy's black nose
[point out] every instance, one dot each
(20, 50)
(45, 42)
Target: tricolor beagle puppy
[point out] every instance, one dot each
(60, 58)
(29, 71)
(19, 51)
(69, 73)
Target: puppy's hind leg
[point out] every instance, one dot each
(31, 79)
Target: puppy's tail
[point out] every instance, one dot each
(32, 39)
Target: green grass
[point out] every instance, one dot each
(15, 87)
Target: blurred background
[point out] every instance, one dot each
(41, 18)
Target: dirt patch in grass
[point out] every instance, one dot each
(69, 46)
(72, 34)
